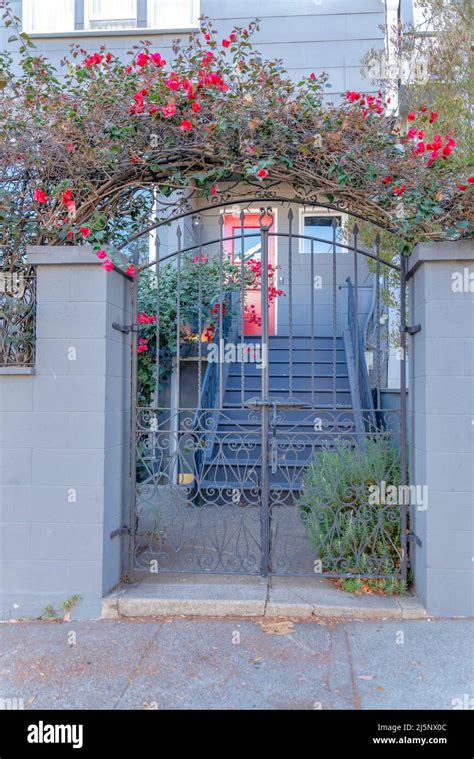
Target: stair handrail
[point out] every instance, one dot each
(205, 416)
(362, 399)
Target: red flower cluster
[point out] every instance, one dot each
(368, 102)
(144, 318)
(142, 345)
(93, 60)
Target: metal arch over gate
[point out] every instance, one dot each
(270, 360)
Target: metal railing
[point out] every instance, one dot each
(17, 317)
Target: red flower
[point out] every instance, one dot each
(225, 43)
(433, 117)
(66, 197)
(412, 133)
(143, 318)
(70, 147)
(423, 109)
(40, 196)
(108, 57)
(142, 59)
(447, 150)
(94, 59)
(263, 173)
(101, 253)
(399, 190)
(156, 58)
(462, 187)
(169, 110)
(173, 82)
(232, 37)
(387, 180)
(195, 107)
(142, 345)
(108, 265)
(131, 270)
(312, 75)
(85, 232)
(207, 37)
(185, 126)
(411, 116)
(352, 96)
(70, 234)
(214, 189)
(470, 180)
(420, 148)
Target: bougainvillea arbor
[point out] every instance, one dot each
(83, 148)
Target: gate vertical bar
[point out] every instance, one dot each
(312, 324)
(378, 316)
(403, 414)
(356, 303)
(132, 517)
(290, 301)
(265, 505)
(221, 311)
(334, 312)
(243, 355)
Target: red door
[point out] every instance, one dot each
(252, 251)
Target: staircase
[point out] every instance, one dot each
(317, 412)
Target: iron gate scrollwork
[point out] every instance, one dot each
(266, 388)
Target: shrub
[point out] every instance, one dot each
(349, 533)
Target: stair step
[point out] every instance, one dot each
(298, 341)
(282, 384)
(319, 397)
(302, 369)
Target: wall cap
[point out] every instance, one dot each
(440, 251)
(69, 255)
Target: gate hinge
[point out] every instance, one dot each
(413, 330)
(414, 539)
(125, 328)
(124, 530)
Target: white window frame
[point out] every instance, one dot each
(318, 211)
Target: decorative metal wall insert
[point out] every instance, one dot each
(17, 316)
(265, 445)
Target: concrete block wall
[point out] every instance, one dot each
(441, 279)
(64, 441)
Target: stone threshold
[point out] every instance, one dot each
(243, 596)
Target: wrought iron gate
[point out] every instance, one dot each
(247, 452)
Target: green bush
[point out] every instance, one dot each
(349, 533)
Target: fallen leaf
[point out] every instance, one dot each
(285, 627)
(381, 687)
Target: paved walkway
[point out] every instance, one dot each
(179, 663)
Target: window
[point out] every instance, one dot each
(110, 14)
(319, 226)
(48, 15)
(172, 14)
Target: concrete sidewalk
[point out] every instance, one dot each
(257, 663)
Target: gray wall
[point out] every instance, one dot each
(441, 421)
(326, 35)
(64, 441)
